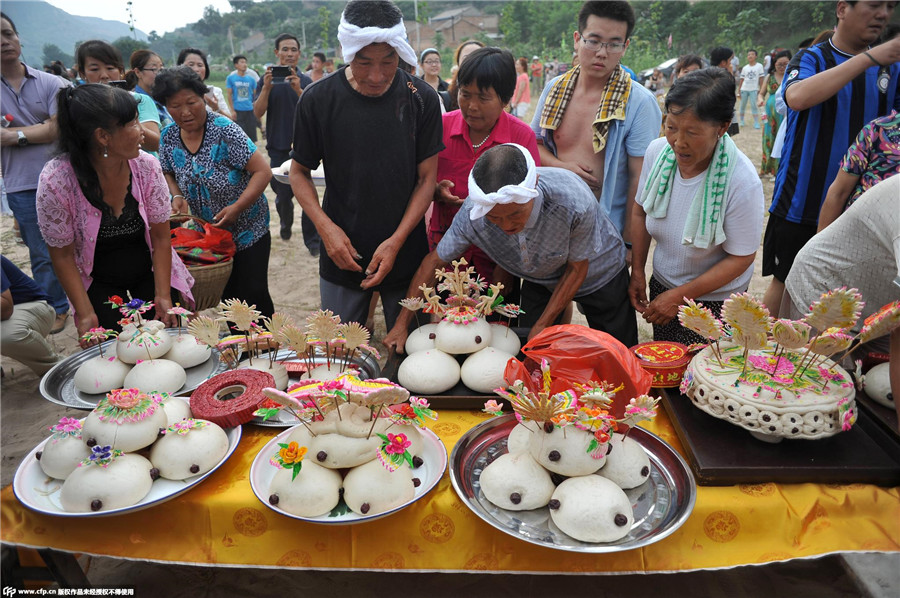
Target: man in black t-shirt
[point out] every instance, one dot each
(378, 131)
(277, 98)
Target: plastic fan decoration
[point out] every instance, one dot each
(791, 334)
(393, 451)
(598, 393)
(466, 301)
(322, 325)
(833, 340)
(541, 406)
(240, 314)
(638, 409)
(694, 316)
(748, 320)
(839, 308)
(98, 335)
(205, 330)
(882, 322)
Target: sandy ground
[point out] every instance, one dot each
(293, 276)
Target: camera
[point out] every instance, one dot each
(280, 73)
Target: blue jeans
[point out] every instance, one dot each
(23, 207)
(749, 96)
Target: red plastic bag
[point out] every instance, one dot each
(577, 353)
(209, 246)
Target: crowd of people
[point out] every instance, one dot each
(561, 211)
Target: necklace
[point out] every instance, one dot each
(483, 141)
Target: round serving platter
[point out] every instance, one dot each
(58, 385)
(434, 463)
(40, 493)
(365, 363)
(661, 504)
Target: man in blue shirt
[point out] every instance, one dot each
(241, 88)
(25, 320)
(542, 225)
(831, 90)
(277, 99)
(595, 120)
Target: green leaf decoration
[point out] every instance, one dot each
(340, 509)
(296, 469)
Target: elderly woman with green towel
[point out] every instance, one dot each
(700, 198)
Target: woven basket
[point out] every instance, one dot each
(210, 279)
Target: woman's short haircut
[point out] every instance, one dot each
(719, 55)
(171, 81)
(708, 93)
(490, 68)
(367, 13)
(182, 56)
(98, 50)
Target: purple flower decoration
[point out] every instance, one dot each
(100, 453)
(135, 303)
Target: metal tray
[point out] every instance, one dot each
(366, 364)
(661, 504)
(58, 385)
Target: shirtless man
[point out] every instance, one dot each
(607, 155)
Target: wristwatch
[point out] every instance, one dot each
(23, 141)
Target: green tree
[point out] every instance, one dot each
(53, 52)
(211, 23)
(127, 45)
(324, 27)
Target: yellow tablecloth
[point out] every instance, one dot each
(221, 521)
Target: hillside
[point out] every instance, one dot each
(40, 23)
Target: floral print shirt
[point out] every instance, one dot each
(875, 155)
(215, 176)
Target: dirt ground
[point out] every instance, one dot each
(293, 276)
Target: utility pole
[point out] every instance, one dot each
(303, 27)
(418, 41)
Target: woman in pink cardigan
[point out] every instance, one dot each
(103, 208)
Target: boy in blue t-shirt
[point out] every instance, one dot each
(240, 96)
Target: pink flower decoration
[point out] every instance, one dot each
(124, 398)
(397, 444)
(66, 425)
(783, 371)
(420, 402)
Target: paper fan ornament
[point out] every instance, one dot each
(830, 342)
(838, 308)
(880, 323)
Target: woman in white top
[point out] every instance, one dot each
(215, 99)
(700, 199)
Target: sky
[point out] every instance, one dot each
(161, 16)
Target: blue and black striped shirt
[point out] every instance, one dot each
(817, 138)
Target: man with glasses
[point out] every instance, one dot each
(594, 120)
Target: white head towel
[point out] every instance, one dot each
(353, 39)
(521, 193)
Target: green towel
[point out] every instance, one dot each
(703, 227)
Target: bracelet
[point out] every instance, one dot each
(872, 58)
(179, 195)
